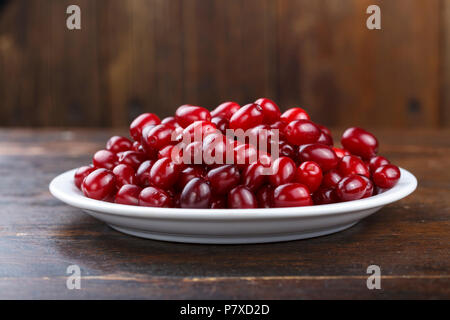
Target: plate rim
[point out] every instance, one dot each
(406, 186)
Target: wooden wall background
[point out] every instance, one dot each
(133, 56)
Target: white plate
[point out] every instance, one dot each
(228, 226)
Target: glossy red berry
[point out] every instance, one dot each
(154, 197)
(140, 123)
(197, 131)
(99, 184)
(105, 159)
(241, 197)
(118, 144)
(82, 173)
(132, 158)
(164, 173)
(325, 139)
(193, 153)
(124, 175)
(189, 173)
(247, 117)
(321, 154)
(300, 132)
(325, 196)
(340, 153)
(187, 114)
(224, 178)
(128, 194)
(171, 121)
(377, 162)
(360, 142)
(264, 196)
(331, 178)
(254, 176)
(244, 155)
(309, 174)
(226, 110)
(291, 195)
(143, 173)
(283, 171)
(295, 114)
(353, 165)
(222, 124)
(196, 194)
(386, 176)
(352, 187)
(270, 109)
(159, 136)
(218, 202)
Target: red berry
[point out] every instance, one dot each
(301, 132)
(128, 194)
(146, 119)
(154, 197)
(340, 153)
(360, 142)
(377, 162)
(241, 198)
(244, 155)
(325, 139)
(196, 194)
(82, 173)
(164, 173)
(324, 129)
(99, 184)
(295, 114)
(352, 187)
(132, 158)
(124, 175)
(226, 110)
(287, 150)
(353, 165)
(265, 197)
(291, 195)
(331, 178)
(223, 179)
(188, 174)
(215, 149)
(159, 136)
(118, 144)
(171, 121)
(247, 117)
(218, 202)
(270, 110)
(222, 124)
(143, 173)
(309, 174)
(197, 131)
(254, 176)
(105, 159)
(386, 176)
(187, 114)
(193, 153)
(325, 196)
(283, 171)
(321, 154)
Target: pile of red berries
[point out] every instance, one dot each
(152, 170)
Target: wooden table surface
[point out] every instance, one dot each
(40, 237)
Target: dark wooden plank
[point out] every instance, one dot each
(445, 63)
(40, 237)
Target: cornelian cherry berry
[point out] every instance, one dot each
(283, 171)
(331, 178)
(218, 202)
(224, 178)
(226, 110)
(325, 139)
(82, 173)
(241, 197)
(128, 194)
(352, 187)
(164, 173)
(105, 159)
(99, 184)
(386, 176)
(159, 136)
(264, 197)
(377, 162)
(300, 132)
(309, 174)
(321, 154)
(270, 109)
(353, 165)
(254, 176)
(143, 173)
(295, 114)
(140, 123)
(118, 144)
(245, 154)
(197, 131)
(187, 114)
(189, 173)
(222, 124)
(291, 195)
(132, 158)
(247, 117)
(196, 194)
(325, 196)
(154, 197)
(360, 142)
(171, 121)
(124, 175)
(340, 153)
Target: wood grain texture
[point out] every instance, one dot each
(40, 237)
(154, 55)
